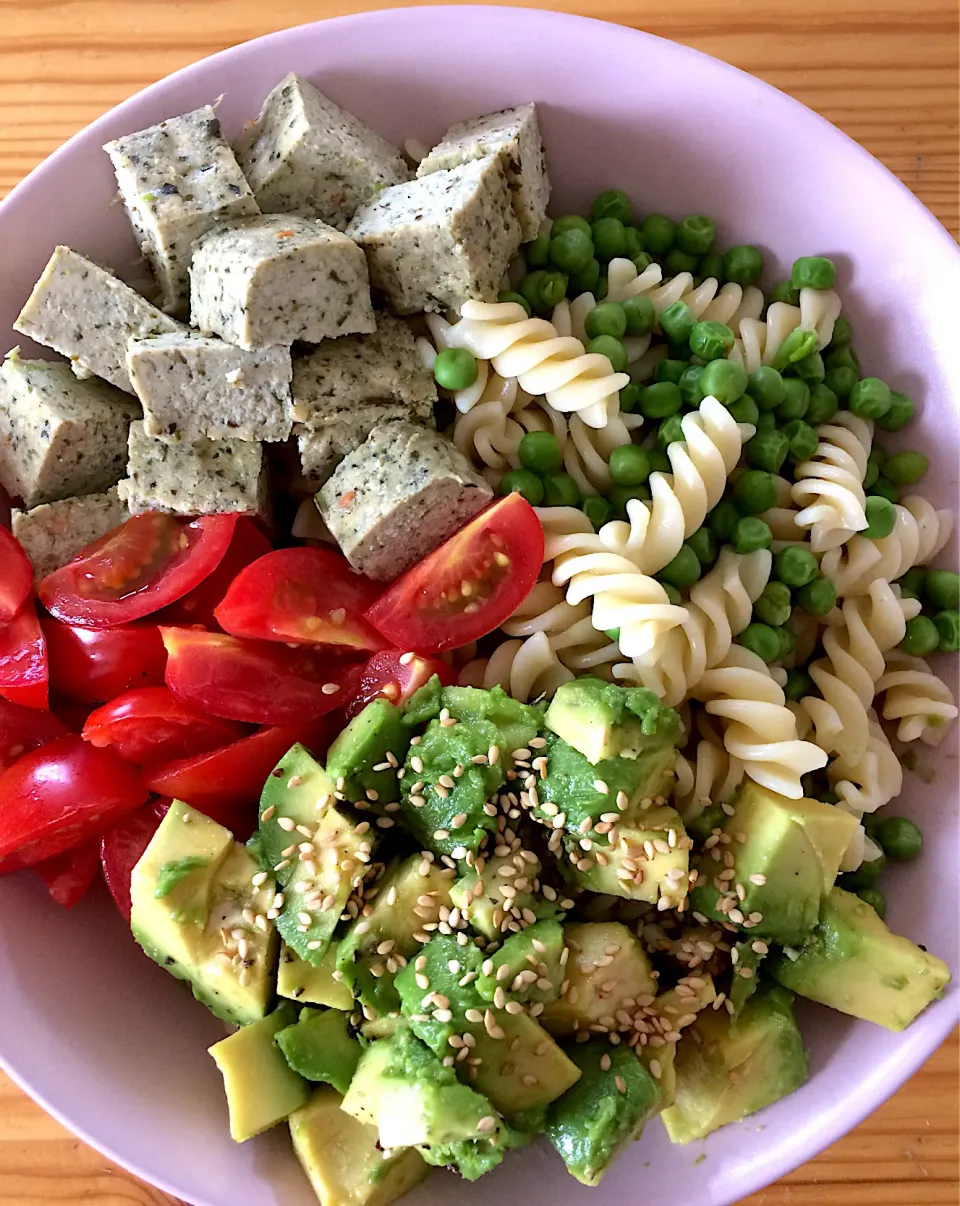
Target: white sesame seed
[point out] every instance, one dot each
(330, 688)
(286, 824)
(603, 788)
(267, 813)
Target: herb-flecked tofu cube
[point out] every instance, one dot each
(53, 533)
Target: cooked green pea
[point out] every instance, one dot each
(844, 357)
(600, 292)
(785, 292)
(523, 482)
(670, 370)
(841, 380)
(817, 597)
(677, 321)
(658, 233)
(803, 439)
(913, 583)
(691, 391)
(875, 899)
(788, 642)
(660, 400)
(596, 509)
(799, 685)
(659, 461)
(828, 797)
(796, 400)
(696, 233)
(774, 606)
(842, 333)
(629, 465)
(630, 397)
(586, 281)
(673, 595)
(634, 241)
(676, 261)
(750, 534)
(767, 421)
(529, 288)
(942, 588)
(539, 452)
(723, 519)
(745, 410)
(824, 404)
(711, 340)
(767, 450)
(606, 319)
(906, 468)
(517, 298)
(609, 239)
(921, 637)
(884, 488)
(537, 253)
(865, 876)
(571, 251)
(723, 380)
(569, 222)
(702, 826)
(612, 633)
(642, 261)
(813, 272)
(683, 570)
(810, 368)
(743, 265)
(762, 640)
(670, 431)
(798, 343)
(711, 266)
(901, 840)
(639, 313)
(613, 349)
(553, 289)
(765, 387)
(870, 398)
(611, 203)
(795, 566)
(621, 495)
(704, 544)
(455, 368)
(899, 414)
(755, 491)
(560, 490)
(948, 626)
(881, 518)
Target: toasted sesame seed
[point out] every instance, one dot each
(602, 787)
(417, 764)
(330, 688)
(385, 823)
(286, 824)
(493, 755)
(267, 813)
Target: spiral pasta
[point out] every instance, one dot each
(579, 645)
(525, 669)
(781, 518)
(829, 486)
(874, 779)
(707, 300)
(757, 341)
(915, 697)
(706, 773)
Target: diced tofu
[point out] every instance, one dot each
(441, 240)
(59, 436)
(177, 180)
(193, 387)
(53, 533)
(399, 496)
(305, 155)
(202, 478)
(513, 135)
(341, 432)
(87, 314)
(277, 279)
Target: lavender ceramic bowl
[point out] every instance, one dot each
(100, 1036)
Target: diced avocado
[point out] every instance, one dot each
(670, 1014)
(528, 966)
(727, 1068)
(605, 1111)
(607, 972)
(512, 1059)
(784, 854)
(650, 860)
(424, 705)
(297, 792)
(377, 737)
(853, 963)
(413, 1100)
(261, 1088)
(508, 896)
(409, 896)
(196, 923)
(320, 1047)
(517, 722)
(301, 981)
(603, 720)
(743, 979)
(343, 1157)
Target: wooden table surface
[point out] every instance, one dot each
(885, 71)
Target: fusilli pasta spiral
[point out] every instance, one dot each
(525, 669)
(706, 773)
(579, 645)
(757, 341)
(829, 486)
(915, 697)
(874, 779)
(708, 301)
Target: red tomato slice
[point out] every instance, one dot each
(145, 564)
(16, 576)
(248, 543)
(396, 676)
(150, 726)
(301, 596)
(469, 585)
(96, 664)
(255, 681)
(24, 729)
(69, 876)
(58, 796)
(121, 848)
(24, 671)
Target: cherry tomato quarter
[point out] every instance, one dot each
(395, 675)
(121, 848)
(24, 669)
(24, 729)
(248, 544)
(16, 576)
(69, 876)
(94, 664)
(151, 726)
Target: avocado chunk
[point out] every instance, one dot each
(404, 1090)
(301, 981)
(518, 723)
(649, 861)
(853, 963)
(194, 906)
(261, 1088)
(320, 1047)
(605, 1111)
(297, 792)
(607, 972)
(510, 1058)
(603, 720)
(504, 895)
(727, 1068)
(745, 957)
(666, 1019)
(529, 965)
(375, 947)
(362, 762)
(343, 1157)
(772, 864)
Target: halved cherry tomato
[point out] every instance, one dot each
(151, 726)
(248, 543)
(145, 564)
(16, 576)
(58, 796)
(24, 729)
(469, 585)
(395, 675)
(121, 848)
(24, 670)
(255, 681)
(69, 876)
(96, 664)
(301, 596)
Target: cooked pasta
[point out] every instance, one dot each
(916, 698)
(706, 773)
(829, 486)
(574, 639)
(874, 779)
(781, 518)
(525, 669)
(707, 300)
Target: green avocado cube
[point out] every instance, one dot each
(300, 981)
(297, 792)
(319, 1047)
(504, 894)
(650, 861)
(603, 720)
(746, 958)
(518, 723)
(529, 965)
(362, 762)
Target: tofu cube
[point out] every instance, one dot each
(305, 155)
(194, 387)
(87, 314)
(275, 279)
(399, 496)
(441, 240)
(343, 430)
(59, 436)
(205, 477)
(177, 180)
(514, 136)
(53, 533)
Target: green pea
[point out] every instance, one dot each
(865, 876)
(803, 439)
(711, 340)
(702, 826)
(683, 570)
(642, 261)
(611, 203)
(691, 391)
(602, 285)
(704, 544)
(670, 431)
(639, 314)
(875, 899)
(767, 421)
(881, 518)
(723, 380)
(762, 640)
(810, 368)
(677, 321)
(818, 597)
(613, 349)
(824, 404)
(571, 251)
(629, 465)
(660, 400)
(676, 261)
(658, 233)
(901, 840)
(765, 387)
(659, 461)
(755, 491)
(788, 642)
(948, 626)
(553, 289)
(723, 519)
(621, 495)
(609, 239)
(596, 509)
(634, 240)
(606, 319)
(569, 222)
(524, 483)
(696, 234)
(906, 468)
(774, 606)
(673, 595)
(537, 253)
(921, 637)
(828, 797)
(612, 633)
(884, 488)
(745, 410)
(913, 583)
(842, 333)
(529, 288)
(517, 298)
(841, 380)
(586, 281)
(743, 265)
(799, 685)
(795, 566)
(560, 490)
(630, 397)
(844, 357)
(539, 452)
(767, 450)
(870, 398)
(899, 414)
(670, 370)
(796, 400)
(813, 272)
(942, 588)
(455, 368)
(750, 534)
(711, 266)
(798, 343)
(785, 292)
